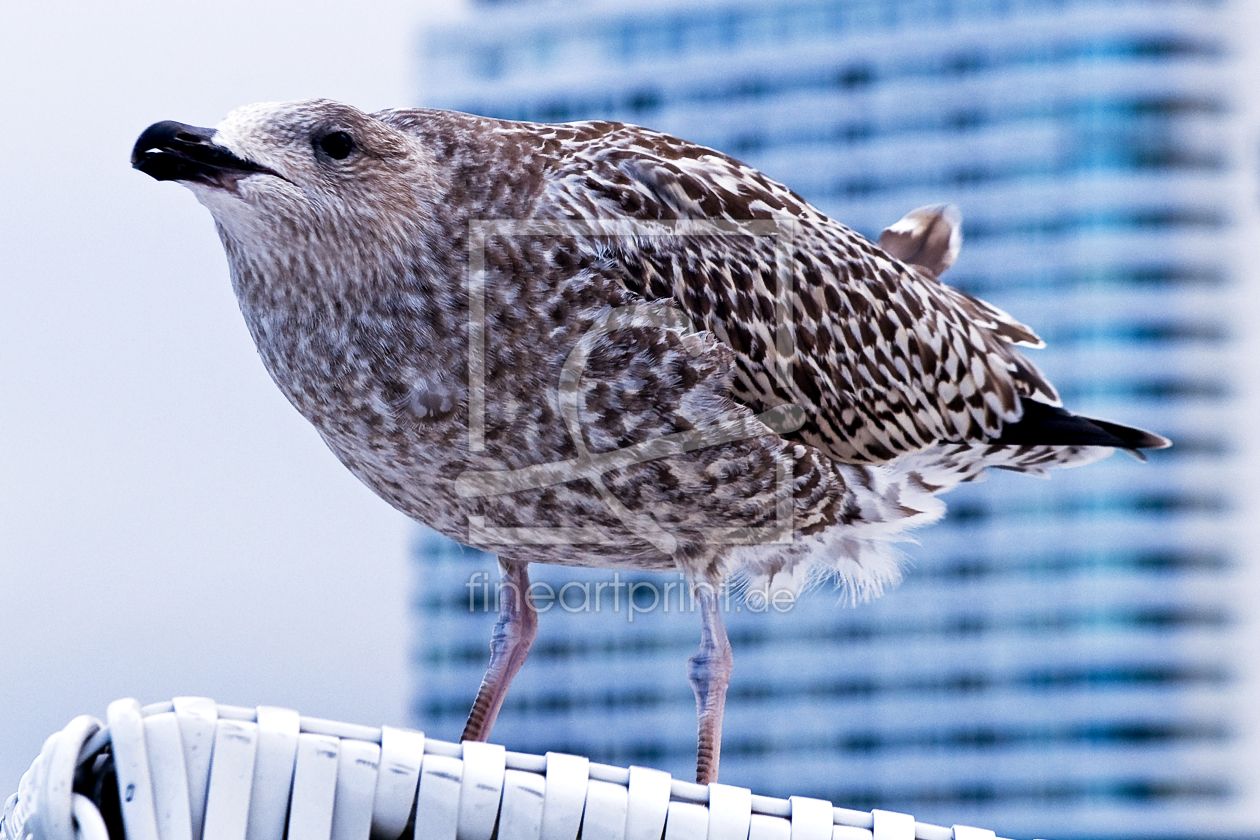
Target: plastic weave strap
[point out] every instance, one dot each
(357, 767)
(21, 812)
(131, 763)
(231, 778)
(481, 790)
(59, 782)
(686, 821)
(765, 827)
(605, 814)
(314, 786)
(402, 753)
(648, 804)
(437, 802)
(197, 717)
(850, 832)
(11, 819)
(273, 772)
(811, 818)
(521, 815)
(565, 796)
(730, 812)
(890, 825)
(966, 832)
(169, 777)
(90, 824)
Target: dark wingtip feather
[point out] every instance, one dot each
(1050, 425)
(1133, 438)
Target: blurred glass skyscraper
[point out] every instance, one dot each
(1068, 658)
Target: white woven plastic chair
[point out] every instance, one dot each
(191, 769)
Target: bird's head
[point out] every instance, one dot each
(284, 177)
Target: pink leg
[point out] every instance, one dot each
(514, 632)
(710, 673)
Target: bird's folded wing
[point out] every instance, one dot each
(882, 358)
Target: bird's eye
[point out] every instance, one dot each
(337, 145)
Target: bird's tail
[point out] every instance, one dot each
(872, 508)
(1043, 424)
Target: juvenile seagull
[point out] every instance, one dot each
(596, 345)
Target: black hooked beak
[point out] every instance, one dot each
(172, 151)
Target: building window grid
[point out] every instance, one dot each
(732, 28)
(855, 76)
(640, 39)
(1138, 786)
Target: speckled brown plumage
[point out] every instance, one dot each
(698, 295)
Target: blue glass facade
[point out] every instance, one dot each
(1065, 658)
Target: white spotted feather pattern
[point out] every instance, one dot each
(886, 359)
(353, 276)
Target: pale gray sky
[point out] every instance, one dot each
(168, 523)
